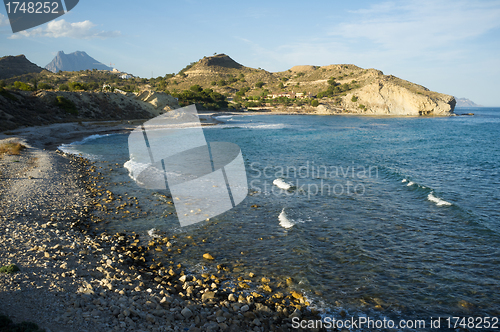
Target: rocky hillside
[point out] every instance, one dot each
(20, 108)
(75, 61)
(339, 88)
(11, 66)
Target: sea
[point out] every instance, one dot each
(394, 218)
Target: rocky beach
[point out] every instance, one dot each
(74, 277)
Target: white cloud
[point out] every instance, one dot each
(393, 35)
(3, 20)
(419, 27)
(61, 28)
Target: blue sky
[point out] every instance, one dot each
(448, 46)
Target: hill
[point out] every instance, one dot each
(464, 102)
(75, 61)
(11, 66)
(341, 88)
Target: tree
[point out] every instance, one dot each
(35, 83)
(314, 103)
(332, 82)
(354, 99)
(45, 86)
(259, 84)
(196, 88)
(23, 86)
(63, 87)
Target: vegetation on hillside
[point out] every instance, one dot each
(66, 105)
(207, 98)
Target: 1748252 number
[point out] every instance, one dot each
(32, 7)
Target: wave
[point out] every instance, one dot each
(232, 125)
(71, 148)
(284, 221)
(282, 184)
(437, 200)
(410, 183)
(430, 196)
(134, 168)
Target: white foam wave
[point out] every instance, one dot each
(410, 184)
(282, 184)
(284, 221)
(71, 148)
(134, 168)
(437, 200)
(404, 180)
(231, 125)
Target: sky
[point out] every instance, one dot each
(448, 46)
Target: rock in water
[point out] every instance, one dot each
(284, 221)
(154, 233)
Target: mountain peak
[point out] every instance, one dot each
(220, 60)
(75, 61)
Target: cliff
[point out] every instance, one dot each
(387, 98)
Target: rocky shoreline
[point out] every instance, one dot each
(75, 277)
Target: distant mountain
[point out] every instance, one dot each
(11, 66)
(75, 61)
(464, 102)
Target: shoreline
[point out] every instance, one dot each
(73, 278)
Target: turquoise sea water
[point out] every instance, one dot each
(403, 213)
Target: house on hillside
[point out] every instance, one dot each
(125, 76)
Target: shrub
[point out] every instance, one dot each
(354, 99)
(332, 82)
(259, 84)
(75, 86)
(213, 83)
(314, 103)
(23, 86)
(12, 268)
(12, 149)
(66, 105)
(196, 88)
(221, 82)
(63, 87)
(362, 106)
(45, 86)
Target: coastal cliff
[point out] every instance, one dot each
(338, 89)
(386, 98)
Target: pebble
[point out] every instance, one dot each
(208, 256)
(186, 312)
